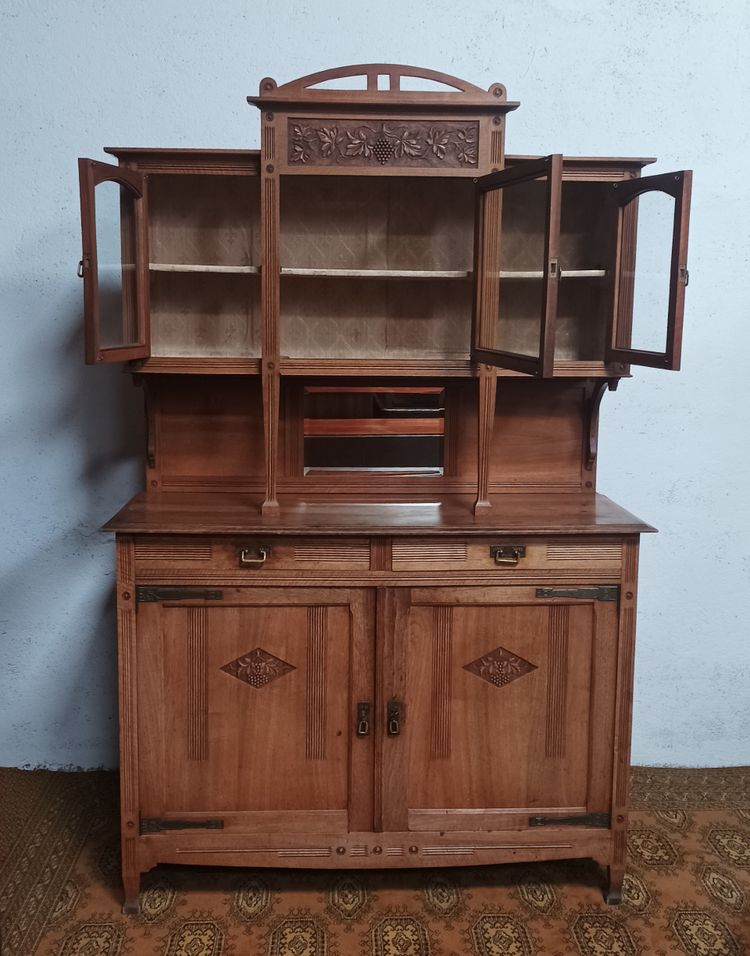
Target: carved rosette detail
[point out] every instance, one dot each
(354, 143)
(257, 668)
(500, 667)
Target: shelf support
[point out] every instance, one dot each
(593, 402)
(485, 426)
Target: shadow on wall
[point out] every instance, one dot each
(79, 449)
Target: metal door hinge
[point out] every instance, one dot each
(158, 825)
(589, 820)
(605, 592)
(155, 595)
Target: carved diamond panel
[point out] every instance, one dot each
(500, 667)
(257, 668)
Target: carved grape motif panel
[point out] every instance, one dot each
(500, 667)
(257, 668)
(357, 143)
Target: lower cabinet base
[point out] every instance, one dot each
(370, 851)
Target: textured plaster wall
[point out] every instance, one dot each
(638, 78)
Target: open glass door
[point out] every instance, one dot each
(649, 285)
(517, 268)
(114, 267)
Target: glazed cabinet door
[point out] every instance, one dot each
(651, 272)
(114, 264)
(517, 266)
(248, 711)
(505, 709)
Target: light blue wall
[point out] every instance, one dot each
(669, 79)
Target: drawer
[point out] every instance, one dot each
(254, 555)
(507, 554)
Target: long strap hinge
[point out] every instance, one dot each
(159, 825)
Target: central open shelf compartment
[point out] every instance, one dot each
(383, 269)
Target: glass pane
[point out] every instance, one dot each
(646, 281)
(387, 430)
(521, 264)
(115, 254)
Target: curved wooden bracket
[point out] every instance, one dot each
(593, 402)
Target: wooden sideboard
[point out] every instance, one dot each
(372, 611)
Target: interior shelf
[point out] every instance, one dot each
(564, 274)
(430, 273)
(199, 267)
(378, 273)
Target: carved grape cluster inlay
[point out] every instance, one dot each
(257, 668)
(350, 142)
(500, 667)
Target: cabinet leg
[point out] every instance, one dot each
(131, 884)
(615, 877)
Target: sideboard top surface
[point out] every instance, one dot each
(214, 513)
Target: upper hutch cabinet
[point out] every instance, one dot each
(377, 228)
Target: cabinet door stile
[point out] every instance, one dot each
(393, 616)
(362, 775)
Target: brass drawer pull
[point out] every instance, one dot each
(254, 557)
(508, 555)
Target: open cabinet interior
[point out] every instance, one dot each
(586, 259)
(397, 430)
(376, 268)
(204, 264)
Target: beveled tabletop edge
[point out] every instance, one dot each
(239, 513)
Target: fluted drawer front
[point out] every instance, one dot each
(504, 554)
(253, 555)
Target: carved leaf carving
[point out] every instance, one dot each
(351, 142)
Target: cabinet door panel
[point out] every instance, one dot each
(507, 712)
(251, 710)
(114, 265)
(650, 280)
(517, 268)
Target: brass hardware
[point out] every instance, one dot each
(155, 595)
(363, 720)
(605, 592)
(79, 271)
(158, 825)
(509, 554)
(394, 718)
(589, 820)
(553, 270)
(248, 558)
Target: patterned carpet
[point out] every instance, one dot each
(687, 889)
